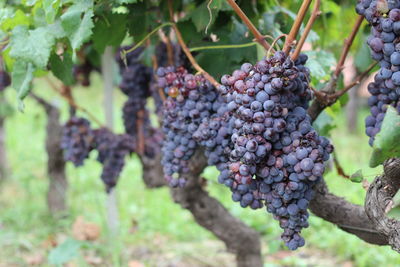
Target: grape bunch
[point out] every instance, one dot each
(5, 80)
(81, 72)
(135, 84)
(112, 149)
(384, 18)
(190, 100)
(262, 141)
(77, 140)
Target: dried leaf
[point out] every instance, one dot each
(82, 230)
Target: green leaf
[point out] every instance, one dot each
(22, 76)
(201, 16)
(386, 144)
(324, 124)
(32, 45)
(18, 18)
(77, 28)
(62, 67)
(121, 2)
(111, 23)
(319, 63)
(65, 252)
(362, 59)
(357, 177)
(56, 29)
(51, 8)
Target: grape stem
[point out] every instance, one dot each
(170, 50)
(186, 50)
(65, 92)
(296, 26)
(329, 99)
(314, 15)
(346, 47)
(228, 46)
(339, 168)
(140, 43)
(258, 36)
(140, 132)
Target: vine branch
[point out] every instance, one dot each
(186, 50)
(314, 15)
(65, 92)
(296, 26)
(258, 36)
(347, 44)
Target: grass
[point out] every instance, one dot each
(153, 229)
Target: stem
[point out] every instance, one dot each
(314, 15)
(170, 50)
(355, 82)
(274, 42)
(185, 49)
(258, 36)
(210, 47)
(140, 43)
(339, 167)
(296, 26)
(347, 44)
(66, 94)
(140, 131)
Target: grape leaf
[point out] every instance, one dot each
(50, 8)
(357, 177)
(77, 28)
(319, 63)
(10, 20)
(201, 16)
(62, 68)
(22, 76)
(324, 124)
(126, 2)
(386, 144)
(112, 23)
(65, 252)
(32, 45)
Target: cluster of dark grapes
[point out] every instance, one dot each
(79, 140)
(255, 131)
(112, 149)
(81, 72)
(384, 18)
(277, 156)
(5, 80)
(135, 84)
(190, 100)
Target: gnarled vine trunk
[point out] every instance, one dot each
(56, 195)
(208, 212)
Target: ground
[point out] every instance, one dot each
(154, 231)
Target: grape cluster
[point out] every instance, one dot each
(112, 149)
(384, 18)
(81, 72)
(190, 100)
(277, 157)
(77, 140)
(135, 84)
(5, 80)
